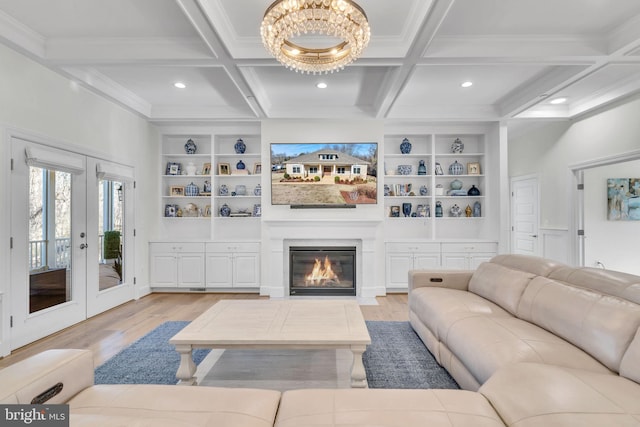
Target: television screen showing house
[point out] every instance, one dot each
(324, 174)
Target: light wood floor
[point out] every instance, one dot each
(109, 332)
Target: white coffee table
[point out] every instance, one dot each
(268, 324)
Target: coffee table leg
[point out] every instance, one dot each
(358, 375)
(187, 367)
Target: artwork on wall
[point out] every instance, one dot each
(623, 199)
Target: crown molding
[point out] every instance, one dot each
(22, 36)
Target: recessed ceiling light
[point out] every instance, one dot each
(180, 85)
(321, 85)
(558, 101)
(467, 84)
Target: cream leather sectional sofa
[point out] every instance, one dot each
(534, 343)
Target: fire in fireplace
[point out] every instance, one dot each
(322, 270)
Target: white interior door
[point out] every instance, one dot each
(49, 240)
(524, 216)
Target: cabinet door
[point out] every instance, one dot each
(476, 259)
(191, 270)
(219, 270)
(163, 270)
(398, 266)
(246, 268)
(455, 261)
(428, 261)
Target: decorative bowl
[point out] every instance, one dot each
(405, 169)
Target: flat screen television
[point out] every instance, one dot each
(324, 174)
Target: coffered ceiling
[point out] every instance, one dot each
(519, 54)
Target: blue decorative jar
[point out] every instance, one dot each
(405, 169)
(224, 190)
(473, 191)
(405, 146)
(438, 209)
(225, 210)
(423, 190)
(191, 190)
(477, 210)
(190, 147)
(422, 168)
(257, 191)
(457, 146)
(387, 190)
(240, 146)
(240, 165)
(456, 168)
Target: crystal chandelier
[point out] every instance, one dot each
(340, 19)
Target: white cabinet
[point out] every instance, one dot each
(467, 256)
(402, 257)
(176, 264)
(233, 265)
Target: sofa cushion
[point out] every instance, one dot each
(385, 408)
(630, 366)
(537, 395)
(439, 308)
(173, 405)
(486, 343)
(601, 325)
(614, 283)
(531, 264)
(502, 285)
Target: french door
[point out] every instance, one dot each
(61, 209)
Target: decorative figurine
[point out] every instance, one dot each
(455, 211)
(477, 210)
(467, 211)
(406, 209)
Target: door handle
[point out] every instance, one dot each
(535, 236)
(83, 246)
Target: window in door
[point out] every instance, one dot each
(111, 233)
(49, 238)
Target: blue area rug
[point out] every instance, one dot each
(396, 358)
(150, 360)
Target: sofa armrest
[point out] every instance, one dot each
(452, 279)
(53, 376)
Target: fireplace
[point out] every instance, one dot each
(325, 270)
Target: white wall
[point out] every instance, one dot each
(550, 149)
(613, 243)
(38, 102)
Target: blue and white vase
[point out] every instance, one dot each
(438, 210)
(190, 147)
(405, 169)
(456, 168)
(423, 190)
(225, 210)
(405, 146)
(387, 190)
(257, 191)
(240, 146)
(477, 210)
(224, 190)
(457, 146)
(240, 165)
(191, 190)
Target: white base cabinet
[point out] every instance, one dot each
(177, 265)
(467, 256)
(233, 265)
(404, 256)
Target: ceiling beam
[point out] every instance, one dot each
(198, 18)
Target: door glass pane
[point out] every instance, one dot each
(49, 238)
(111, 233)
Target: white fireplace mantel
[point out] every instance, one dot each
(365, 235)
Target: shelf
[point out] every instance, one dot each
(408, 156)
(449, 155)
(220, 156)
(417, 196)
(237, 197)
(186, 156)
(186, 218)
(459, 197)
(186, 176)
(238, 176)
(459, 176)
(407, 176)
(187, 197)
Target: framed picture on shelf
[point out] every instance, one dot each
(170, 211)
(394, 211)
(176, 190)
(173, 168)
(224, 169)
(473, 168)
(257, 168)
(206, 169)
